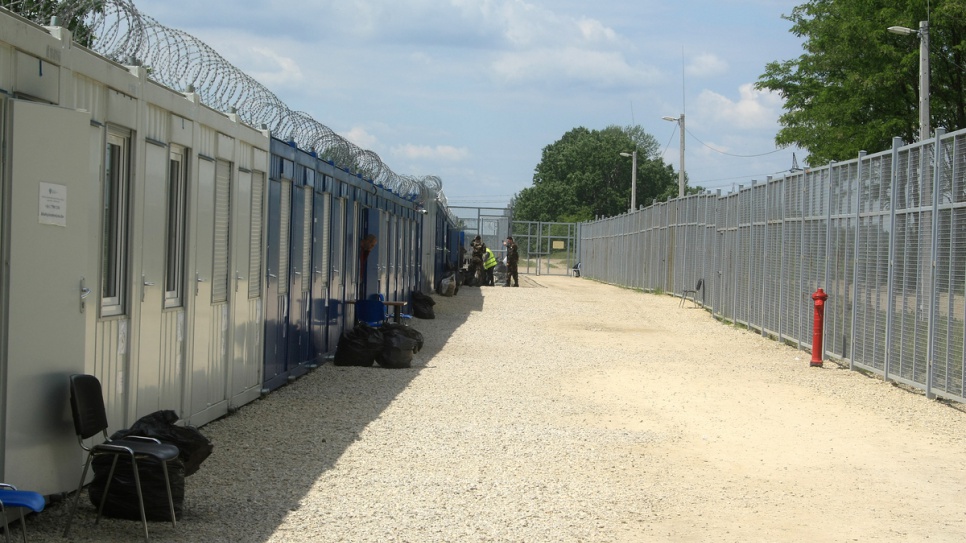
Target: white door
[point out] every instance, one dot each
(149, 288)
(48, 191)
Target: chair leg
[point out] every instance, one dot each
(167, 484)
(6, 525)
(137, 485)
(107, 488)
(23, 526)
(80, 487)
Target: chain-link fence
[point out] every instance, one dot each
(883, 235)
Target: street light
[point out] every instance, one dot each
(680, 121)
(923, 72)
(633, 156)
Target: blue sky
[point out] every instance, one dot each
(473, 90)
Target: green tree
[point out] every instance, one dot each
(583, 175)
(72, 13)
(856, 86)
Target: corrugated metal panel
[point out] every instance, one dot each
(307, 237)
(284, 238)
(323, 272)
(255, 236)
(220, 265)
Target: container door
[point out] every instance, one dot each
(320, 274)
(337, 309)
(150, 375)
(48, 191)
(203, 237)
(298, 278)
(276, 283)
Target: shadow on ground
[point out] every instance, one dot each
(271, 452)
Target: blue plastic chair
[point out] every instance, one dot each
(371, 312)
(389, 315)
(11, 497)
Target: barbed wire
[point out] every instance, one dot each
(117, 30)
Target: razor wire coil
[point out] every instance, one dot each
(116, 30)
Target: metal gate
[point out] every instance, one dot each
(546, 248)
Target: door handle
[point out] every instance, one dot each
(84, 293)
(144, 284)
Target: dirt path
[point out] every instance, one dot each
(759, 446)
(568, 411)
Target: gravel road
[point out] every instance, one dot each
(564, 411)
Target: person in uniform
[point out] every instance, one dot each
(476, 262)
(512, 257)
(489, 264)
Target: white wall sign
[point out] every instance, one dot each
(53, 204)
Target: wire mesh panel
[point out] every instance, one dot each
(728, 255)
(744, 253)
(774, 249)
(792, 288)
(911, 286)
(756, 283)
(948, 367)
(814, 247)
(872, 261)
(838, 315)
(709, 237)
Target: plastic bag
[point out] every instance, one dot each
(359, 346)
(122, 498)
(447, 285)
(400, 343)
(423, 306)
(193, 446)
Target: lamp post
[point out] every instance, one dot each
(923, 34)
(633, 156)
(680, 121)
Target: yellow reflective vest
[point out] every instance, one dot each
(490, 260)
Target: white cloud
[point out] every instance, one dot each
(427, 152)
(568, 65)
(271, 68)
(706, 65)
(362, 138)
(754, 109)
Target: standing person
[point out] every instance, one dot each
(512, 257)
(366, 246)
(489, 264)
(476, 262)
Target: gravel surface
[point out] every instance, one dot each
(567, 410)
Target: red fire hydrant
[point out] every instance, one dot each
(817, 330)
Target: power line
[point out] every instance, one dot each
(729, 154)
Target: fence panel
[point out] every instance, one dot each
(886, 245)
(950, 310)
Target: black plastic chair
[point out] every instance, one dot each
(90, 418)
(693, 293)
(10, 497)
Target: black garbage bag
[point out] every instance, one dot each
(400, 343)
(193, 447)
(423, 306)
(122, 497)
(359, 346)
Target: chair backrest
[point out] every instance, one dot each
(699, 285)
(370, 311)
(87, 405)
